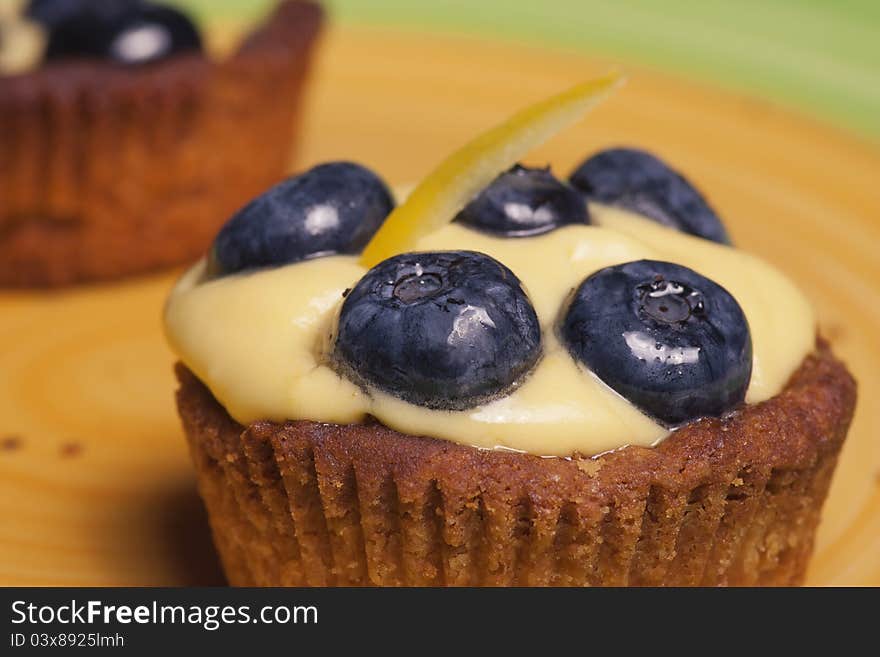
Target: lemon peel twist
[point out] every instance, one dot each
(456, 180)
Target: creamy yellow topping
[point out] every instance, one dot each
(21, 41)
(259, 340)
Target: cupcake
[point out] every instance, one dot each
(507, 379)
(124, 145)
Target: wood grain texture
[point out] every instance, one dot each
(96, 487)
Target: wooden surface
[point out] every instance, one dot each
(95, 483)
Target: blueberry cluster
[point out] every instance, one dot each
(523, 202)
(127, 32)
(453, 329)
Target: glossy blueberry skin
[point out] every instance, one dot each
(640, 182)
(131, 34)
(523, 202)
(332, 208)
(52, 12)
(672, 342)
(445, 330)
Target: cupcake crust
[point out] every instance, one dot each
(720, 502)
(109, 172)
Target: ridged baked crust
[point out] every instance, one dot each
(106, 172)
(720, 502)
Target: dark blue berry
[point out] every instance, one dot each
(332, 208)
(672, 342)
(128, 34)
(523, 202)
(444, 330)
(638, 181)
(50, 13)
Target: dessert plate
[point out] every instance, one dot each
(95, 482)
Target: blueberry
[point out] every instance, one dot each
(523, 202)
(129, 33)
(332, 208)
(52, 12)
(672, 342)
(445, 330)
(638, 181)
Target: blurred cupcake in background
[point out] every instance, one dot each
(123, 144)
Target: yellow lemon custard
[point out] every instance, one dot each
(496, 306)
(22, 41)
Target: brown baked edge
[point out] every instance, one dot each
(109, 172)
(720, 502)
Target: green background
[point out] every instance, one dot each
(820, 56)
